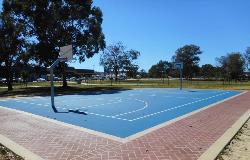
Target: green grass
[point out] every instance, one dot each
(43, 88)
(175, 84)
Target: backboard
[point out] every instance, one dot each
(178, 65)
(66, 52)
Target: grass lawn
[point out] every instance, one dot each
(96, 85)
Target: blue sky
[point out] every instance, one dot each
(158, 28)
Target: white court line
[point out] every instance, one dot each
(176, 107)
(96, 114)
(102, 115)
(144, 107)
(97, 105)
(32, 103)
(152, 95)
(182, 97)
(133, 94)
(63, 108)
(155, 113)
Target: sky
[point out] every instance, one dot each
(157, 28)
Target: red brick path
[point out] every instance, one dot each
(185, 139)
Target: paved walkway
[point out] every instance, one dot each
(185, 139)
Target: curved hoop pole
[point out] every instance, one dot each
(52, 79)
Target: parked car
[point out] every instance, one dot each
(57, 79)
(101, 78)
(72, 79)
(41, 80)
(121, 78)
(3, 80)
(94, 78)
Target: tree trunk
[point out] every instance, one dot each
(65, 84)
(10, 88)
(116, 75)
(9, 77)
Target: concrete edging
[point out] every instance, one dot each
(217, 147)
(18, 149)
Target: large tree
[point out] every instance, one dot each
(53, 24)
(12, 46)
(159, 70)
(117, 60)
(189, 55)
(232, 65)
(208, 71)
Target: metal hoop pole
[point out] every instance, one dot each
(52, 80)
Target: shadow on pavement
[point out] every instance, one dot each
(45, 91)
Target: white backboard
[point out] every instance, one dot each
(66, 52)
(178, 65)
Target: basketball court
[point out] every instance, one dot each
(120, 113)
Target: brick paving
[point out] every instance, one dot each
(185, 139)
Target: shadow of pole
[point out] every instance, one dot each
(56, 111)
(77, 111)
(70, 110)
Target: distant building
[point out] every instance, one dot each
(72, 72)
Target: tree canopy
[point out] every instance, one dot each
(247, 58)
(232, 65)
(13, 44)
(117, 60)
(189, 55)
(52, 24)
(159, 70)
(208, 71)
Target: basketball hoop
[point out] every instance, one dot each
(65, 54)
(179, 66)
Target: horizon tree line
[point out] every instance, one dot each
(229, 67)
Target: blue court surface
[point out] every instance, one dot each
(120, 113)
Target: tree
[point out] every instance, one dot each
(189, 55)
(25, 76)
(143, 73)
(158, 70)
(58, 23)
(132, 71)
(247, 58)
(12, 46)
(208, 71)
(232, 65)
(116, 60)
